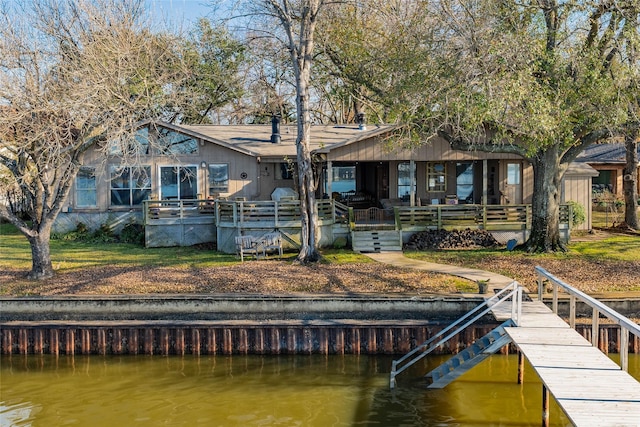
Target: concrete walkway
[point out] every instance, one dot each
(397, 259)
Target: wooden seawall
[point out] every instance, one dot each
(242, 337)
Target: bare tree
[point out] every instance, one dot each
(75, 74)
(296, 25)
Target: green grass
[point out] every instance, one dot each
(617, 248)
(66, 255)
(602, 218)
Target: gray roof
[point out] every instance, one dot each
(256, 139)
(604, 153)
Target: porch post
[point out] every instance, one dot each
(329, 179)
(485, 182)
(412, 193)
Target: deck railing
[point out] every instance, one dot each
(177, 209)
(598, 308)
(485, 217)
(273, 214)
(286, 213)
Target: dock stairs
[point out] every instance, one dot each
(476, 352)
(470, 356)
(376, 240)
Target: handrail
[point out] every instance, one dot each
(511, 290)
(626, 324)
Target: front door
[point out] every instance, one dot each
(382, 187)
(512, 190)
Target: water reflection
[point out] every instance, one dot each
(261, 391)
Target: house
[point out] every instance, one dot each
(609, 160)
(173, 189)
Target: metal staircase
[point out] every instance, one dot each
(474, 354)
(470, 356)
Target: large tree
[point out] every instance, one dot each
(294, 25)
(215, 59)
(75, 74)
(538, 78)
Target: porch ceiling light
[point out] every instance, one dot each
(203, 165)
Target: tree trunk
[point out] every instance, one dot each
(308, 209)
(545, 223)
(630, 181)
(41, 267)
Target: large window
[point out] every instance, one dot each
(436, 177)
(172, 142)
(464, 182)
(130, 186)
(343, 179)
(86, 187)
(136, 146)
(178, 182)
(406, 179)
(218, 178)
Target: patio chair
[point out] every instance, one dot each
(247, 245)
(272, 242)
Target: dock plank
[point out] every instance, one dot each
(590, 388)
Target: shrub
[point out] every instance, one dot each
(579, 215)
(132, 233)
(80, 234)
(340, 243)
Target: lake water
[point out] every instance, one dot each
(262, 391)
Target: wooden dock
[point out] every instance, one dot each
(590, 388)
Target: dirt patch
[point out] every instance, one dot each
(587, 276)
(263, 276)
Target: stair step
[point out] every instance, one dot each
(468, 358)
(376, 241)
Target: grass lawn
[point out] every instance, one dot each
(606, 264)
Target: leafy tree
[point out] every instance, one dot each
(75, 74)
(543, 79)
(214, 59)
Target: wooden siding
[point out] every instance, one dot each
(578, 189)
(379, 150)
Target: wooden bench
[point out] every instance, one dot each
(272, 242)
(248, 245)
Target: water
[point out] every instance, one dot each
(262, 391)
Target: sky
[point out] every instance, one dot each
(181, 11)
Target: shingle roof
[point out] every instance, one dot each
(604, 153)
(256, 139)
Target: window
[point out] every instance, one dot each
(284, 171)
(218, 178)
(406, 179)
(436, 177)
(136, 146)
(86, 187)
(464, 182)
(178, 182)
(343, 179)
(513, 173)
(130, 186)
(172, 142)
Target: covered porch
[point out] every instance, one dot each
(390, 183)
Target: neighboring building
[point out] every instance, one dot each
(358, 166)
(609, 160)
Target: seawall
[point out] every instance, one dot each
(247, 324)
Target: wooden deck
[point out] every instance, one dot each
(590, 388)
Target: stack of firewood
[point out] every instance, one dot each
(455, 239)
